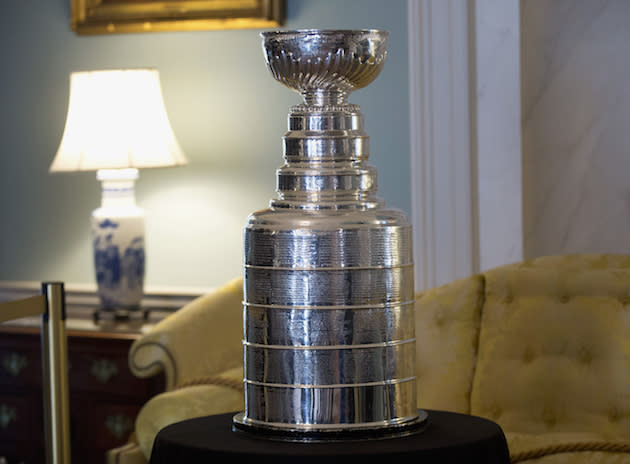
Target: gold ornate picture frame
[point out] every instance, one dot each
(121, 16)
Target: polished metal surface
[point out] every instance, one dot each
(324, 327)
(55, 375)
(51, 307)
(315, 62)
(329, 326)
(404, 426)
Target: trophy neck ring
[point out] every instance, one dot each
(325, 97)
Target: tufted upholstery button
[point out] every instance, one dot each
(528, 355)
(439, 318)
(496, 412)
(585, 356)
(613, 415)
(507, 299)
(625, 300)
(564, 299)
(549, 418)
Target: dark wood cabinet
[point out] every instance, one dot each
(105, 397)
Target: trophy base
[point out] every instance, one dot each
(329, 432)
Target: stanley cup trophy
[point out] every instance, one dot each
(329, 326)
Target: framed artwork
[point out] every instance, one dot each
(121, 16)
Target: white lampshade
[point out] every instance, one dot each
(116, 119)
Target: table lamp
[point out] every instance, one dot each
(117, 123)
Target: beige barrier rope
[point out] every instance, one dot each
(605, 446)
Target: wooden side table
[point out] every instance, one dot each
(448, 438)
(105, 396)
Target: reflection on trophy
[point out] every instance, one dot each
(329, 326)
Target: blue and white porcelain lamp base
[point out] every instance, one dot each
(118, 243)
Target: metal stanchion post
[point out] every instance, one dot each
(51, 306)
(55, 374)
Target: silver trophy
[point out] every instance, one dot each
(329, 325)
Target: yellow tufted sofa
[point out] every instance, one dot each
(541, 347)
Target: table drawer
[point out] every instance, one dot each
(20, 417)
(105, 396)
(18, 452)
(107, 426)
(20, 361)
(103, 369)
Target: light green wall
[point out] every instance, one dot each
(226, 110)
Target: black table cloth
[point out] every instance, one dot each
(447, 438)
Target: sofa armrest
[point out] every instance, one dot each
(218, 394)
(201, 339)
(447, 329)
(129, 453)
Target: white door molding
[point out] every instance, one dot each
(440, 141)
(465, 128)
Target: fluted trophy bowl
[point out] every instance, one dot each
(324, 66)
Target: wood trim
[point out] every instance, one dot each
(84, 295)
(95, 333)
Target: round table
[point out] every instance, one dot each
(447, 438)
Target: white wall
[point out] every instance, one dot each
(229, 116)
(576, 120)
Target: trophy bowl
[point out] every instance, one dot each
(325, 65)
